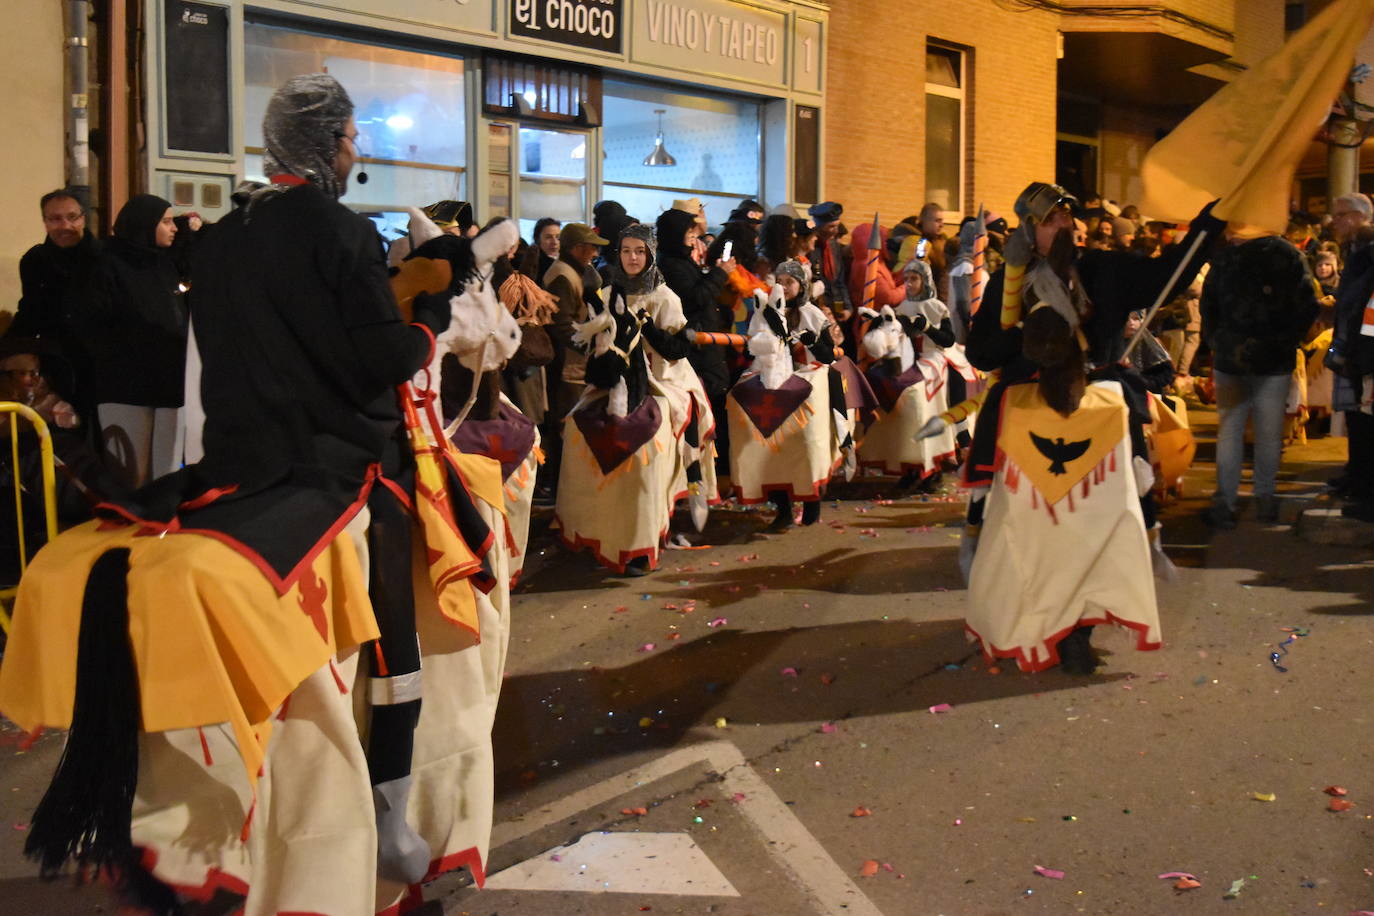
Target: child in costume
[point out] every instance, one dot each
(788, 418)
(911, 380)
(622, 457)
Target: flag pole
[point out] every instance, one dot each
(1164, 293)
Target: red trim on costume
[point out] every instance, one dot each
(283, 584)
(767, 488)
(907, 467)
(293, 181)
(338, 679)
(209, 496)
(215, 880)
(382, 670)
(993, 653)
(594, 545)
(205, 746)
(28, 741)
(397, 491)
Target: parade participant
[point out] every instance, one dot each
(1065, 479)
(620, 454)
(910, 377)
(788, 425)
(259, 561)
(668, 342)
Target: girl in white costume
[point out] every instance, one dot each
(910, 377)
(788, 421)
(623, 458)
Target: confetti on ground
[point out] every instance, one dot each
(827, 679)
(1338, 791)
(749, 558)
(1340, 804)
(737, 797)
(646, 722)
(1169, 875)
(721, 722)
(1187, 884)
(941, 707)
(861, 811)
(637, 812)
(648, 647)
(1054, 873)
(1264, 796)
(1234, 892)
(717, 622)
(622, 609)
(788, 672)
(869, 868)
(827, 728)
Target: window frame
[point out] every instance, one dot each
(960, 95)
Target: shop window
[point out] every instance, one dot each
(514, 86)
(408, 105)
(713, 138)
(945, 97)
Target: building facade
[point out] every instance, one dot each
(530, 108)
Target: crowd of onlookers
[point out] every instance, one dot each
(99, 340)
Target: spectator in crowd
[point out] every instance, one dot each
(543, 250)
(574, 282)
(139, 346)
(931, 223)
(831, 261)
(61, 281)
(1351, 358)
(1257, 305)
(1348, 214)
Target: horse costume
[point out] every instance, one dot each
(620, 449)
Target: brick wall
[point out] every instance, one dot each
(875, 102)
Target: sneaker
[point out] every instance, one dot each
(1219, 516)
(637, 567)
(679, 542)
(1267, 508)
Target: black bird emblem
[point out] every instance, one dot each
(1058, 452)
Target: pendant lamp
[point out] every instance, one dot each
(659, 155)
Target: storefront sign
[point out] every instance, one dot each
(462, 15)
(592, 24)
(807, 66)
(715, 36)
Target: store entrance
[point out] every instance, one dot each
(537, 172)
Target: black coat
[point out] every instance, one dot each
(136, 338)
(60, 286)
(1257, 305)
(301, 343)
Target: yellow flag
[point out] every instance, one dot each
(1243, 144)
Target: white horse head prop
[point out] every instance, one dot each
(768, 339)
(886, 339)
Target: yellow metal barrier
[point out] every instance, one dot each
(15, 411)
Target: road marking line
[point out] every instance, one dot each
(830, 889)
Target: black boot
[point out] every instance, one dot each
(811, 512)
(639, 566)
(783, 521)
(1076, 654)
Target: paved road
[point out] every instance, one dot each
(701, 740)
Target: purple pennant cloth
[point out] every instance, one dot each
(858, 394)
(769, 408)
(507, 437)
(889, 387)
(613, 439)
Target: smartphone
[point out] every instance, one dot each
(725, 252)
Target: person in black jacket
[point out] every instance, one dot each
(137, 344)
(1257, 305)
(698, 289)
(60, 281)
(1351, 358)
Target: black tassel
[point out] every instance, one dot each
(87, 811)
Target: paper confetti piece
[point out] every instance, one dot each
(646, 722)
(941, 707)
(1186, 884)
(1054, 873)
(861, 811)
(1340, 804)
(717, 622)
(1234, 892)
(721, 722)
(1165, 876)
(827, 679)
(1264, 796)
(622, 609)
(1338, 791)
(636, 812)
(788, 672)
(648, 647)
(827, 727)
(869, 868)
(738, 797)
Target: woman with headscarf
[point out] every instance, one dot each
(787, 414)
(697, 289)
(139, 348)
(622, 457)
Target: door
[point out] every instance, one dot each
(543, 172)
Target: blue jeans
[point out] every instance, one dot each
(1240, 398)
